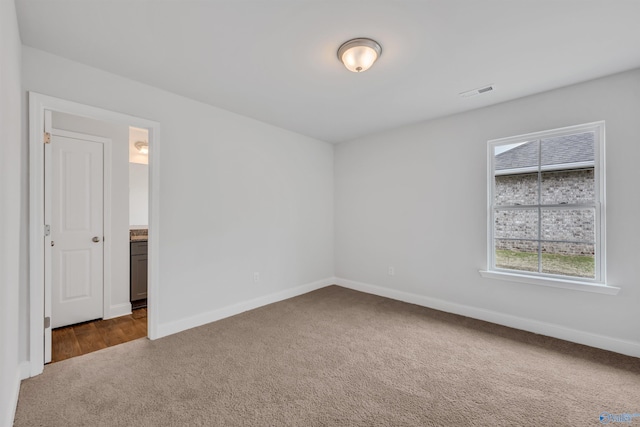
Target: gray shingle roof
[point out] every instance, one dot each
(557, 150)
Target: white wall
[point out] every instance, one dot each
(118, 300)
(11, 221)
(236, 195)
(415, 198)
(138, 195)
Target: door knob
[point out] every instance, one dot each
(96, 239)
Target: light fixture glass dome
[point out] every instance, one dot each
(142, 146)
(359, 54)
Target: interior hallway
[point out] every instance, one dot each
(82, 338)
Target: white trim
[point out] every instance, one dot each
(231, 310)
(38, 103)
(546, 168)
(12, 404)
(36, 231)
(117, 310)
(79, 135)
(575, 285)
(568, 130)
(48, 194)
(601, 203)
(630, 348)
(153, 255)
(107, 162)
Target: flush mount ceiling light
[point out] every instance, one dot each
(142, 146)
(358, 55)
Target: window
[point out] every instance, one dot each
(546, 205)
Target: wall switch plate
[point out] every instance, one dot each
(256, 276)
(392, 271)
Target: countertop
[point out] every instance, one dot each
(138, 235)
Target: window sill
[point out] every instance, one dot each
(551, 282)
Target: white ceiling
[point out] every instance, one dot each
(276, 60)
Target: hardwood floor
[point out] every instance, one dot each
(83, 338)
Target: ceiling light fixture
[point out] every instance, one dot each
(358, 55)
(142, 146)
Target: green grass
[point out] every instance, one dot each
(568, 265)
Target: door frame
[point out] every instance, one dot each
(38, 104)
(48, 217)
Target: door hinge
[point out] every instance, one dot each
(47, 230)
(47, 138)
(47, 322)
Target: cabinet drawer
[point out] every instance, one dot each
(138, 248)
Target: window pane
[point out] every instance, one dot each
(516, 168)
(516, 156)
(567, 149)
(568, 187)
(519, 189)
(516, 223)
(517, 255)
(569, 259)
(569, 224)
(544, 205)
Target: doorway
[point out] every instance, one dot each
(115, 301)
(87, 178)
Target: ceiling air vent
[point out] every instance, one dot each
(477, 91)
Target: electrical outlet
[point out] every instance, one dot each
(256, 276)
(392, 271)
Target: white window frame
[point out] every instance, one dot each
(597, 284)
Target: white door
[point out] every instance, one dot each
(77, 229)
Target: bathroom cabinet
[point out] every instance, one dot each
(138, 271)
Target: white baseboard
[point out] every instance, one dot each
(221, 313)
(118, 310)
(9, 410)
(630, 348)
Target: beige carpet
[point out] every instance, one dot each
(336, 357)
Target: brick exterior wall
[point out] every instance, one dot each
(557, 188)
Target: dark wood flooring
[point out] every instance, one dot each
(83, 338)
